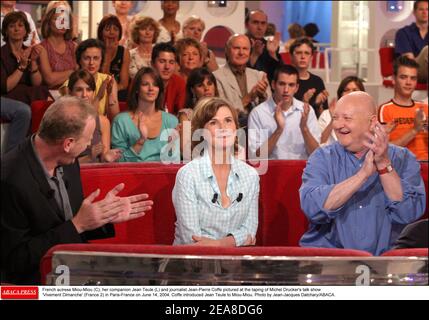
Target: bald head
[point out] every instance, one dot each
(360, 101)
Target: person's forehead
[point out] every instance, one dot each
(258, 16)
(240, 41)
(92, 51)
(303, 47)
(284, 77)
(166, 55)
(404, 70)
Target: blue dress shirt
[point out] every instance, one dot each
(197, 214)
(408, 39)
(369, 220)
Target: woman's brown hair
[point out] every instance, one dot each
(205, 110)
(133, 95)
(13, 17)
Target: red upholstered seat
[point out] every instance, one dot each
(38, 109)
(412, 252)
(387, 57)
(286, 57)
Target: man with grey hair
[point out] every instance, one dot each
(42, 197)
(360, 192)
(243, 87)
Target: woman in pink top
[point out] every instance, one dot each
(57, 50)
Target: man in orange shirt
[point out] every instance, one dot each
(406, 118)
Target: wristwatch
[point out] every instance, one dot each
(387, 169)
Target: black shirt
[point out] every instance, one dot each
(312, 82)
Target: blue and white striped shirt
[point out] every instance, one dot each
(196, 213)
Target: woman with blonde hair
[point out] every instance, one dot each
(216, 195)
(190, 56)
(193, 27)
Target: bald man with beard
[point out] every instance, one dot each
(360, 192)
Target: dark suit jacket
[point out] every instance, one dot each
(267, 63)
(31, 221)
(414, 235)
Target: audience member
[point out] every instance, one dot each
(407, 118)
(243, 87)
(412, 40)
(57, 50)
(193, 27)
(33, 37)
(348, 84)
(164, 61)
(216, 195)
(359, 193)
(295, 31)
(89, 56)
(283, 127)
(169, 26)
(144, 32)
(18, 114)
(143, 132)
(201, 84)
(20, 76)
(190, 56)
(311, 87)
(82, 85)
(42, 198)
(116, 60)
(65, 8)
(264, 54)
(122, 10)
(311, 30)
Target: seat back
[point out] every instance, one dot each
(38, 108)
(387, 56)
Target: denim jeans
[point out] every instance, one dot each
(19, 116)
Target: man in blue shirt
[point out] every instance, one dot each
(412, 40)
(360, 192)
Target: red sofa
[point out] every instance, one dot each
(281, 221)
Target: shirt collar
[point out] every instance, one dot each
(236, 70)
(58, 170)
(207, 170)
(296, 105)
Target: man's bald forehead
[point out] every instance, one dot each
(254, 12)
(360, 100)
(235, 37)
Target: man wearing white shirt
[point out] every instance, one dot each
(33, 37)
(283, 127)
